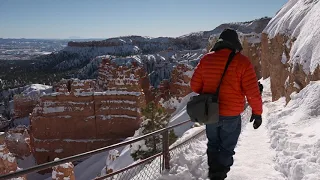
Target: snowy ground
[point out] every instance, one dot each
(285, 147)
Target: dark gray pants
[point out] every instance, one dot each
(222, 140)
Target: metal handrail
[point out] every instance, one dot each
(86, 154)
(149, 158)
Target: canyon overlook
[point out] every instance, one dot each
(85, 114)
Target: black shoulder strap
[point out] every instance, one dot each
(231, 56)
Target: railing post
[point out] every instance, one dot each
(165, 148)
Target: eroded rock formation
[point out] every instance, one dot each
(170, 93)
(285, 77)
(8, 162)
(251, 44)
(63, 172)
(77, 118)
(23, 105)
(18, 141)
(290, 48)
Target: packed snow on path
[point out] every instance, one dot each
(286, 146)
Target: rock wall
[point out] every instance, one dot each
(291, 49)
(170, 92)
(251, 44)
(77, 118)
(23, 106)
(180, 80)
(285, 77)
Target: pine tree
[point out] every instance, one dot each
(154, 118)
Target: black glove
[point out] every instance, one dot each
(257, 120)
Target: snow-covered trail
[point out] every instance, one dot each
(254, 159)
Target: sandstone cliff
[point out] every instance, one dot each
(291, 49)
(171, 92)
(83, 115)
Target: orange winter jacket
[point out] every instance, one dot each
(239, 81)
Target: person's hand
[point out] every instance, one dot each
(257, 120)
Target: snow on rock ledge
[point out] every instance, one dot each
(63, 171)
(290, 48)
(299, 20)
(28, 99)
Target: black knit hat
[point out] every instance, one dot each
(231, 36)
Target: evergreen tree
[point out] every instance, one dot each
(154, 118)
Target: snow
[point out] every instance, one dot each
(295, 134)
(58, 150)
(284, 58)
(47, 110)
(299, 20)
(296, 85)
(286, 146)
(181, 115)
(30, 161)
(9, 157)
(41, 150)
(117, 93)
(172, 103)
(108, 117)
(95, 165)
(36, 90)
(91, 167)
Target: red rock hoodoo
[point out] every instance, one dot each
(76, 118)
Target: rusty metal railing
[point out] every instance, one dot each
(164, 161)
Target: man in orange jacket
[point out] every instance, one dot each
(239, 81)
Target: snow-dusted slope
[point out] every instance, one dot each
(299, 20)
(35, 90)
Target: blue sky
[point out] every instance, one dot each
(111, 18)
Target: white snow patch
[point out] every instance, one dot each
(36, 90)
(47, 110)
(108, 117)
(118, 93)
(284, 58)
(58, 150)
(296, 85)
